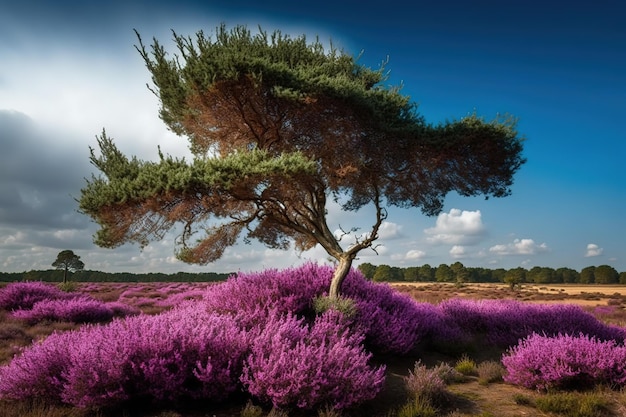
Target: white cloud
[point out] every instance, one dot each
(457, 227)
(519, 247)
(415, 254)
(458, 251)
(593, 250)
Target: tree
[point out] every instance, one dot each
(606, 274)
(460, 273)
(411, 273)
(567, 275)
(541, 275)
(515, 276)
(587, 275)
(367, 269)
(68, 261)
(277, 126)
(383, 273)
(427, 273)
(444, 273)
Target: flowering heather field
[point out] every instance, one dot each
(257, 339)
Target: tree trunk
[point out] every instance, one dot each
(345, 263)
(65, 275)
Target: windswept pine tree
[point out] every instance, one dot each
(278, 126)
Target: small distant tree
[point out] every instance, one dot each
(277, 127)
(67, 260)
(444, 273)
(515, 277)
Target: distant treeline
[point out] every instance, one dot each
(457, 272)
(55, 275)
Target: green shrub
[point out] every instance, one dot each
(67, 286)
(251, 410)
(324, 303)
(573, 404)
(521, 399)
(418, 407)
(466, 366)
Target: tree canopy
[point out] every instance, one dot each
(278, 125)
(67, 260)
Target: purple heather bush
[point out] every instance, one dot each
(294, 364)
(121, 309)
(288, 290)
(392, 322)
(23, 295)
(184, 353)
(37, 371)
(75, 310)
(504, 322)
(565, 361)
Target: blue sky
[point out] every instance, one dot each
(69, 69)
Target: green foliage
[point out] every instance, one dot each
(573, 404)
(417, 407)
(68, 286)
(466, 366)
(68, 261)
(252, 410)
(606, 274)
(344, 305)
(522, 399)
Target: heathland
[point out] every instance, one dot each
(408, 349)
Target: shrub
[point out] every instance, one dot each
(122, 310)
(426, 384)
(186, 353)
(489, 371)
(466, 366)
(541, 362)
(323, 303)
(292, 364)
(23, 295)
(289, 290)
(448, 374)
(392, 322)
(504, 322)
(36, 372)
(417, 407)
(75, 310)
(251, 410)
(568, 404)
(67, 286)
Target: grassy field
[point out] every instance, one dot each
(469, 396)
